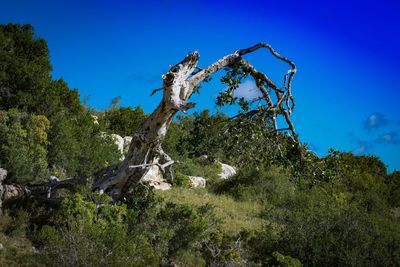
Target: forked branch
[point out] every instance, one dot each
(284, 99)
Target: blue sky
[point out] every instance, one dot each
(347, 53)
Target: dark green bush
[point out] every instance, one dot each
(324, 229)
(393, 183)
(77, 147)
(181, 180)
(122, 120)
(143, 231)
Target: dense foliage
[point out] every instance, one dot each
(122, 120)
(44, 128)
(279, 210)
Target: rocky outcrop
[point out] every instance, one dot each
(7, 191)
(197, 181)
(11, 191)
(227, 171)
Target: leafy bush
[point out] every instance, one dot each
(181, 180)
(284, 261)
(122, 120)
(90, 234)
(77, 147)
(393, 183)
(142, 231)
(324, 229)
(24, 66)
(255, 184)
(23, 140)
(51, 130)
(236, 141)
(202, 167)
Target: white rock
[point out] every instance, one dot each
(162, 186)
(127, 143)
(11, 191)
(53, 179)
(155, 178)
(35, 250)
(3, 174)
(119, 141)
(1, 246)
(95, 119)
(153, 174)
(227, 171)
(127, 139)
(197, 181)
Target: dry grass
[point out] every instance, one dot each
(17, 249)
(235, 215)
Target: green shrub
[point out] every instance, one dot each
(324, 229)
(23, 140)
(84, 233)
(142, 231)
(77, 147)
(24, 66)
(283, 261)
(222, 249)
(122, 120)
(255, 184)
(181, 180)
(202, 167)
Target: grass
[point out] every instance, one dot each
(235, 215)
(17, 248)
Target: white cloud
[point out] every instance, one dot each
(361, 150)
(375, 121)
(389, 138)
(248, 90)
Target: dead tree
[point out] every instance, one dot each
(145, 151)
(178, 84)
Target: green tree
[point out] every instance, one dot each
(23, 141)
(24, 66)
(122, 120)
(77, 147)
(74, 145)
